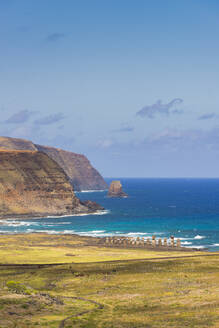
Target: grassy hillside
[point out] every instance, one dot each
(169, 292)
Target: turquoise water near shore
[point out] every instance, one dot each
(185, 208)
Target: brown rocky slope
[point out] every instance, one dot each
(82, 175)
(79, 170)
(33, 184)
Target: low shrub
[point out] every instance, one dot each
(18, 288)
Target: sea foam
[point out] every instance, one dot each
(199, 237)
(198, 247)
(186, 243)
(90, 191)
(18, 223)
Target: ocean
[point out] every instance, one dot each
(185, 208)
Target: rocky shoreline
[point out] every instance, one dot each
(48, 215)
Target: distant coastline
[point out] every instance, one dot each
(185, 208)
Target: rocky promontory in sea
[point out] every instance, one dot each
(81, 174)
(115, 190)
(32, 184)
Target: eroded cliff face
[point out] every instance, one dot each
(31, 183)
(82, 175)
(79, 170)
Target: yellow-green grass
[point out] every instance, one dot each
(174, 293)
(40, 255)
(151, 293)
(42, 249)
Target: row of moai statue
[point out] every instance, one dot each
(143, 242)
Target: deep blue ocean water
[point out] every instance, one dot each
(185, 208)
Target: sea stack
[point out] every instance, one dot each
(115, 190)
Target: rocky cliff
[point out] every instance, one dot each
(115, 190)
(77, 167)
(16, 144)
(79, 170)
(31, 183)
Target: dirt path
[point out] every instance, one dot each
(99, 307)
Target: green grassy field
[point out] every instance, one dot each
(97, 291)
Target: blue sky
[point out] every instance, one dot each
(134, 85)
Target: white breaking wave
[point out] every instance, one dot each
(49, 232)
(103, 212)
(29, 231)
(198, 247)
(55, 224)
(90, 191)
(199, 237)
(134, 234)
(100, 212)
(186, 243)
(185, 238)
(6, 232)
(217, 245)
(16, 223)
(96, 234)
(68, 232)
(57, 216)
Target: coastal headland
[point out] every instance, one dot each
(32, 184)
(77, 281)
(81, 174)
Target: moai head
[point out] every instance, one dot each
(178, 243)
(153, 241)
(165, 242)
(172, 241)
(159, 242)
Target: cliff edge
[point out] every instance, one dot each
(82, 175)
(115, 190)
(33, 184)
